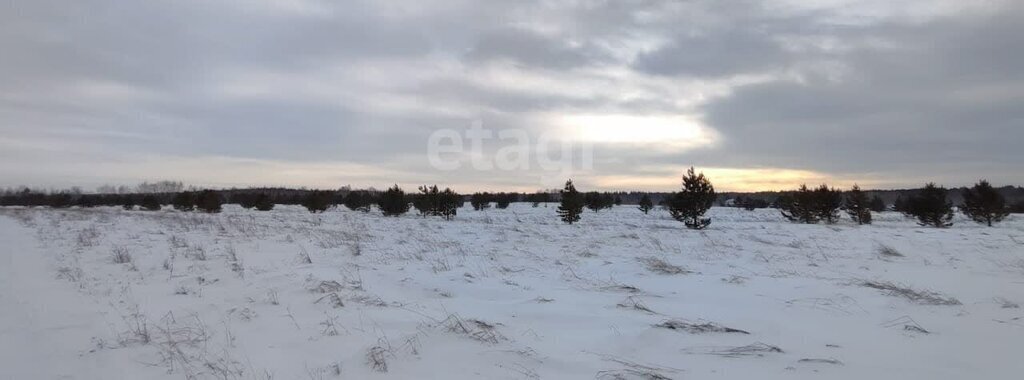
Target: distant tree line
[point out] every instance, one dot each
(931, 205)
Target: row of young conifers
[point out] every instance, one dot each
(982, 203)
(929, 205)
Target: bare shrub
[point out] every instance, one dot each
(196, 252)
(137, 328)
(376, 357)
(183, 347)
(440, 264)
(923, 297)
(697, 328)
(329, 326)
(177, 242)
(88, 237)
(120, 255)
(71, 273)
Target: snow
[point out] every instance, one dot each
(503, 294)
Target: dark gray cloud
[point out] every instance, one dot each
(532, 49)
(915, 89)
(939, 98)
(716, 54)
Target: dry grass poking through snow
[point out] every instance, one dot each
(887, 251)
(923, 297)
(754, 349)
(698, 328)
(660, 266)
(287, 294)
(473, 328)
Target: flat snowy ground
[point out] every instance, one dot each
(504, 294)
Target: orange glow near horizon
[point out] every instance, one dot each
(734, 180)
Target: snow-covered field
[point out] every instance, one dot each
(504, 294)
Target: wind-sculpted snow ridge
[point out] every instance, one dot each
(506, 294)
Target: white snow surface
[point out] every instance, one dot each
(503, 294)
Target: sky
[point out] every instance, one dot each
(511, 95)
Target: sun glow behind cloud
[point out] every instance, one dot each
(657, 132)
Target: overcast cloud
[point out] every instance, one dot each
(322, 93)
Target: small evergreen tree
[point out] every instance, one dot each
(690, 204)
(246, 200)
(877, 204)
(128, 202)
(392, 202)
(930, 207)
(184, 201)
(901, 205)
(750, 204)
(85, 200)
(857, 206)
(598, 201)
(209, 201)
(503, 200)
(572, 204)
(607, 200)
(448, 204)
(984, 204)
(799, 206)
(150, 203)
(645, 204)
(618, 200)
(358, 200)
(1016, 208)
(827, 203)
(318, 201)
(480, 201)
(426, 201)
(593, 201)
(264, 202)
(537, 198)
(60, 200)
